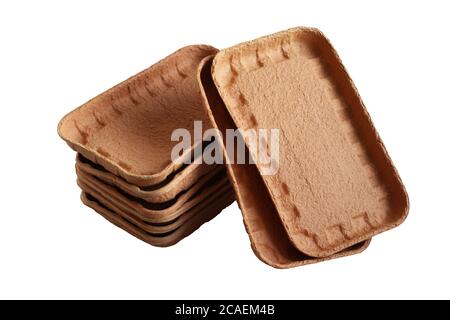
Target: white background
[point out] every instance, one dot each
(54, 56)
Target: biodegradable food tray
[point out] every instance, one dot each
(127, 129)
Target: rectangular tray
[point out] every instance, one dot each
(336, 185)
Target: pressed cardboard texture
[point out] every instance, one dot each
(167, 190)
(159, 212)
(160, 240)
(336, 185)
(128, 128)
(161, 228)
(268, 237)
